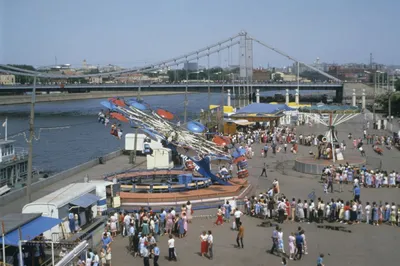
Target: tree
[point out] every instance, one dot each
(22, 78)
(397, 84)
(383, 100)
(277, 77)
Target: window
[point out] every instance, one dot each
(3, 175)
(23, 167)
(7, 150)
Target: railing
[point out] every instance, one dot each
(171, 85)
(19, 154)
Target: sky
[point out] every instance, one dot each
(132, 32)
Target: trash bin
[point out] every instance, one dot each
(101, 160)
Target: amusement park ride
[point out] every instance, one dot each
(195, 171)
(329, 151)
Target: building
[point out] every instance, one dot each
(7, 79)
(349, 74)
(191, 66)
(96, 80)
(285, 77)
(261, 75)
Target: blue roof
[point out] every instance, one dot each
(264, 108)
(330, 108)
(85, 200)
(30, 230)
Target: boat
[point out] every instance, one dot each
(13, 165)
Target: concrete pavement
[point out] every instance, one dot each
(366, 245)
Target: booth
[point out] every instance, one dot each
(263, 112)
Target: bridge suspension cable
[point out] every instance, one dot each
(130, 70)
(171, 63)
(294, 59)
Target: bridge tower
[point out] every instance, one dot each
(246, 62)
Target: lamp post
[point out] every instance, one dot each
(391, 94)
(132, 155)
(30, 142)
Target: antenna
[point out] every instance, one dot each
(370, 60)
(55, 60)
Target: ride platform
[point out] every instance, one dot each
(213, 193)
(310, 165)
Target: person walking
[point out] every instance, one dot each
(320, 260)
(330, 182)
(210, 240)
(146, 260)
(274, 240)
(357, 193)
(156, 253)
(266, 150)
(171, 248)
(237, 215)
(239, 238)
(299, 246)
(264, 170)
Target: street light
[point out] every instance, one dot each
(390, 108)
(30, 142)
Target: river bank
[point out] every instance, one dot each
(24, 99)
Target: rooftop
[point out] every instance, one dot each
(14, 220)
(9, 141)
(322, 108)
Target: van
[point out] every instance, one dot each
(58, 205)
(142, 139)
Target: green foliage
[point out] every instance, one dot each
(21, 78)
(277, 77)
(397, 84)
(383, 100)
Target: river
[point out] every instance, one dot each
(58, 149)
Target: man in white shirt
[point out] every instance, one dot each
(146, 254)
(127, 221)
(237, 215)
(173, 212)
(171, 248)
(281, 211)
(210, 240)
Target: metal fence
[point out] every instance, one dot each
(374, 163)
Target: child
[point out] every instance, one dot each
(320, 260)
(326, 187)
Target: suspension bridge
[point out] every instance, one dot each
(240, 82)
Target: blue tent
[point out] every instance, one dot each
(30, 226)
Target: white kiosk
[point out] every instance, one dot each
(160, 159)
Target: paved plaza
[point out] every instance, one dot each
(366, 245)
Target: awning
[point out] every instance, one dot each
(85, 200)
(31, 230)
(242, 122)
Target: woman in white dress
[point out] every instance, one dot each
(305, 251)
(281, 246)
(292, 248)
(142, 241)
(113, 225)
(189, 212)
(300, 211)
